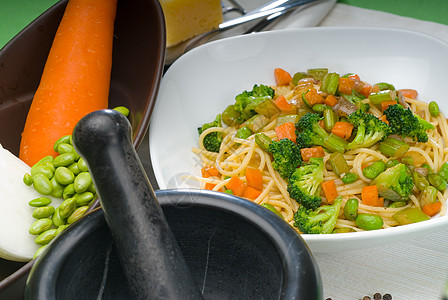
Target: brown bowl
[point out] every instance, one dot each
(138, 60)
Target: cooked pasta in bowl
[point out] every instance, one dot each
(346, 143)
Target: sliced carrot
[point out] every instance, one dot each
(283, 104)
(209, 186)
(409, 93)
(369, 196)
(385, 104)
(251, 193)
(282, 77)
(384, 119)
(209, 171)
(366, 89)
(330, 191)
(375, 89)
(342, 129)
(313, 97)
(330, 100)
(346, 85)
(432, 208)
(286, 130)
(76, 76)
(354, 77)
(316, 151)
(254, 178)
(236, 185)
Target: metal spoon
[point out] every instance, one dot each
(279, 7)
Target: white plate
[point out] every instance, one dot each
(204, 81)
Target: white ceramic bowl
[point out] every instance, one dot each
(204, 81)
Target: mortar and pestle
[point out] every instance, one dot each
(168, 244)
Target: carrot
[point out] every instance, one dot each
(342, 129)
(330, 191)
(354, 77)
(409, 93)
(254, 178)
(385, 104)
(366, 89)
(209, 171)
(346, 85)
(384, 119)
(236, 185)
(286, 130)
(432, 208)
(330, 100)
(369, 196)
(375, 89)
(313, 97)
(76, 76)
(316, 151)
(251, 193)
(283, 104)
(282, 77)
(209, 186)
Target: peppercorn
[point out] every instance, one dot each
(377, 296)
(387, 297)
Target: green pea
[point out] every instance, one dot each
(228, 192)
(82, 165)
(437, 181)
(65, 139)
(42, 184)
(374, 169)
(41, 201)
(77, 214)
(44, 168)
(397, 204)
(84, 198)
(349, 178)
(28, 179)
(57, 219)
(351, 209)
(122, 109)
(433, 108)
(39, 251)
(64, 160)
(45, 237)
(443, 171)
(67, 207)
(369, 221)
(69, 191)
(82, 182)
(40, 226)
(64, 176)
(43, 212)
(74, 168)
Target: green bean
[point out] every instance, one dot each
(82, 165)
(369, 221)
(374, 169)
(349, 178)
(39, 251)
(69, 191)
(64, 176)
(420, 181)
(437, 181)
(28, 179)
(243, 133)
(65, 139)
(443, 171)
(84, 198)
(43, 212)
(396, 204)
(351, 209)
(40, 226)
(123, 110)
(41, 201)
(42, 184)
(77, 214)
(57, 219)
(67, 207)
(82, 182)
(391, 162)
(45, 237)
(433, 108)
(64, 160)
(263, 141)
(58, 189)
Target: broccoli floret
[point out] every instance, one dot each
(309, 133)
(394, 183)
(212, 141)
(320, 220)
(369, 129)
(247, 101)
(304, 185)
(286, 157)
(404, 123)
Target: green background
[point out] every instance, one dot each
(16, 14)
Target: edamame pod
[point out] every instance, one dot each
(41, 201)
(374, 169)
(45, 237)
(40, 226)
(42, 184)
(369, 221)
(351, 209)
(433, 108)
(43, 212)
(82, 182)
